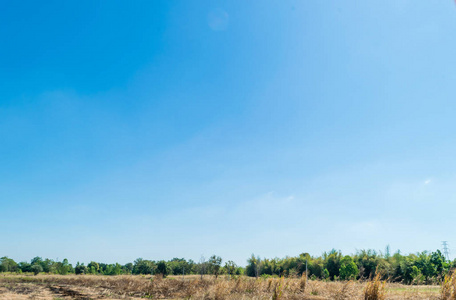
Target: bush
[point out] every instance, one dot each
(448, 289)
(348, 269)
(163, 268)
(36, 269)
(80, 269)
(375, 289)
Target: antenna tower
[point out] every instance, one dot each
(446, 251)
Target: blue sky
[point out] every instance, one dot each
(163, 129)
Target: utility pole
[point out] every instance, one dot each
(446, 251)
(202, 265)
(182, 273)
(306, 270)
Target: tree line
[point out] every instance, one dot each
(175, 266)
(420, 268)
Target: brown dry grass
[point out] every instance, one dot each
(448, 291)
(85, 287)
(375, 289)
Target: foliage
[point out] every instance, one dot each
(253, 268)
(332, 262)
(36, 269)
(214, 264)
(348, 269)
(420, 268)
(163, 268)
(80, 269)
(142, 266)
(8, 265)
(180, 266)
(230, 268)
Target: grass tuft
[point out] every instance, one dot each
(375, 289)
(448, 289)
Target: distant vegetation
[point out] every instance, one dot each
(420, 268)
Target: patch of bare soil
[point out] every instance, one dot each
(66, 291)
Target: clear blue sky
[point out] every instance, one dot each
(163, 129)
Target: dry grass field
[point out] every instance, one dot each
(84, 287)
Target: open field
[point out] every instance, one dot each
(85, 287)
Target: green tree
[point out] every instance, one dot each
(36, 260)
(142, 266)
(179, 266)
(316, 267)
(128, 268)
(367, 262)
(80, 269)
(113, 269)
(417, 276)
(47, 265)
(348, 269)
(215, 263)
(163, 268)
(25, 266)
(231, 267)
(325, 274)
(93, 267)
(36, 269)
(63, 267)
(332, 262)
(8, 265)
(253, 266)
(438, 263)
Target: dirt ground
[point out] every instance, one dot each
(44, 288)
(44, 292)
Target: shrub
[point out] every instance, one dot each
(36, 269)
(448, 289)
(163, 268)
(80, 269)
(348, 269)
(278, 290)
(375, 289)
